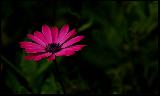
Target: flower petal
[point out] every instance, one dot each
(65, 52)
(70, 50)
(69, 34)
(72, 41)
(64, 30)
(29, 45)
(47, 33)
(29, 57)
(52, 57)
(37, 57)
(32, 55)
(30, 50)
(54, 31)
(36, 39)
(41, 36)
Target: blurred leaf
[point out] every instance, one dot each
(14, 84)
(34, 71)
(51, 86)
(43, 68)
(18, 74)
(85, 26)
(28, 67)
(76, 86)
(37, 72)
(101, 58)
(145, 24)
(114, 38)
(117, 74)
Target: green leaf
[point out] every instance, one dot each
(85, 26)
(14, 84)
(51, 86)
(114, 37)
(43, 68)
(18, 74)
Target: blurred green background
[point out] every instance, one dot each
(121, 56)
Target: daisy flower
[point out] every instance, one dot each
(51, 43)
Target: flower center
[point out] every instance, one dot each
(53, 48)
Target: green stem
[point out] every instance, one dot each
(59, 76)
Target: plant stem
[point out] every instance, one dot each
(59, 76)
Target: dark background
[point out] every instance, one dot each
(120, 56)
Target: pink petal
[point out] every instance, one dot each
(47, 33)
(70, 50)
(72, 41)
(29, 57)
(34, 50)
(38, 56)
(41, 36)
(36, 39)
(29, 45)
(70, 34)
(64, 30)
(52, 57)
(54, 31)
(65, 53)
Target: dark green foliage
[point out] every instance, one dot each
(120, 57)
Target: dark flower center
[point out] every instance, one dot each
(53, 48)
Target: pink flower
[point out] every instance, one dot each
(51, 43)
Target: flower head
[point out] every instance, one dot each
(51, 43)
